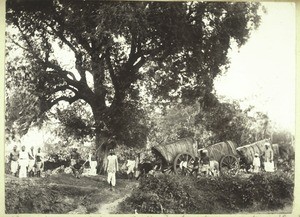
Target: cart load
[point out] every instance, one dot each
(225, 153)
(177, 155)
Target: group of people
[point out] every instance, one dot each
(30, 163)
(26, 163)
(265, 161)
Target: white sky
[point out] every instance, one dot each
(263, 71)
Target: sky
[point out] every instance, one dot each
(262, 72)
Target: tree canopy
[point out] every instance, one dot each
(173, 51)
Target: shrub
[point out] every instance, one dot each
(231, 192)
(225, 194)
(167, 194)
(30, 199)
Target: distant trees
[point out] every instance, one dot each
(211, 122)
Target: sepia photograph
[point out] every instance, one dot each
(149, 107)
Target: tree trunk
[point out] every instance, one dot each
(102, 143)
(103, 138)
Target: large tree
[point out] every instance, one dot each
(174, 49)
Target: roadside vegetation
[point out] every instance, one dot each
(207, 195)
(60, 193)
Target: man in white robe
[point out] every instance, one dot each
(23, 162)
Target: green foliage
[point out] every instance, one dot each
(260, 191)
(176, 122)
(76, 120)
(206, 195)
(60, 194)
(282, 137)
(210, 122)
(22, 109)
(130, 125)
(35, 200)
(173, 50)
(228, 121)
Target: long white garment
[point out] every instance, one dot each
(130, 166)
(31, 165)
(14, 166)
(23, 162)
(111, 178)
(93, 165)
(269, 166)
(112, 168)
(256, 164)
(93, 170)
(112, 163)
(31, 162)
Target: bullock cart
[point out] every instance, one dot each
(174, 155)
(178, 157)
(225, 153)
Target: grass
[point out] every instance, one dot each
(59, 193)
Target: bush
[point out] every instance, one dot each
(54, 194)
(225, 194)
(166, 194)
(262, 191)
(31, 199)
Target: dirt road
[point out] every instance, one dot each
(111, 204)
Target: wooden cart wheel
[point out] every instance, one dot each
(168, 170)
(183, 164)
(229, 165)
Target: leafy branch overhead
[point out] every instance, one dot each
(174, 50)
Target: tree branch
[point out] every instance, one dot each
(46, 63)
(64, 87)
(132, 55)
(61, 73)
(63, 38)
(63, 98)
(110, 67)
(79, 38)
(78, 54)
(79, 68)
(16, 43)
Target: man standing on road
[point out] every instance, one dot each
(31, 162)
(14, 158)
(112, 167)
(23, 163)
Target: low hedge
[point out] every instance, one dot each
(177, 194)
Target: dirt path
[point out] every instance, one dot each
(110, 207)
(109, 199)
